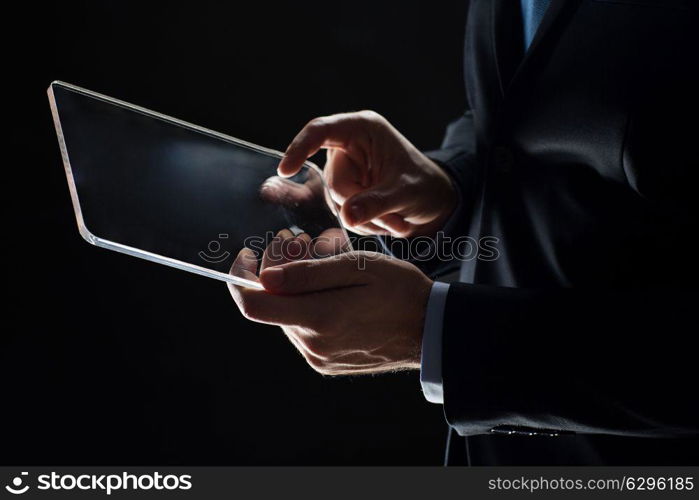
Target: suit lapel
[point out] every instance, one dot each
(495, 66)
(508, 40)
(481, 73)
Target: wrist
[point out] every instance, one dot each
(448, 196)
(422, 293)
(443, 197)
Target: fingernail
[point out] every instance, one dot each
(273, 276)
(356, 213)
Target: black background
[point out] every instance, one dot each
(106, 359)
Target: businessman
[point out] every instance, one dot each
(578, 156)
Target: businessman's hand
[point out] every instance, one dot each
(380, 182)
(342, 319)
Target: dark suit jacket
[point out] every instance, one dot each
(582, 159)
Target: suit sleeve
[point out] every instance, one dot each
(589, 360)
(570, 360)
(457, 157)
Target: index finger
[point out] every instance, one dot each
(334, 131)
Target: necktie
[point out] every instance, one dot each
(532, 13)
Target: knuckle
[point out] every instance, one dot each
(370, 115)
(374, 199)
(410, 182)
(317, 122)
(299, 281)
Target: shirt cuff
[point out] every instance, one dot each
(431, 359)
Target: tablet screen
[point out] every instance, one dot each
(174, 193)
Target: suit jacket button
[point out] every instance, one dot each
(503, 158)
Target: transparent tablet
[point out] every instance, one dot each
(177, 194)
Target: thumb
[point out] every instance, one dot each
(304, 276)
(371, 204)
